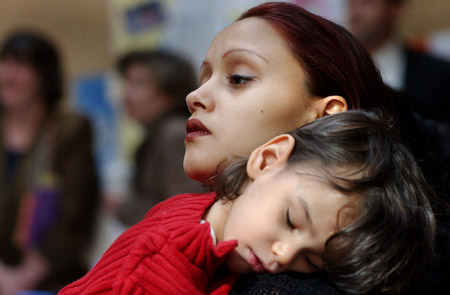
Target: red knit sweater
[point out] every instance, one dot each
(169, 252)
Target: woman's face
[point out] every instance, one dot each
(251, 89)
(19, 84)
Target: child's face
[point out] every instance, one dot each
(252, 89)
(282, 221)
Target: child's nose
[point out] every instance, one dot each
(200, 99)
(285, 252)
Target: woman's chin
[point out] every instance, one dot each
(200, 174)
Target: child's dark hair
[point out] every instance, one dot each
(392, 235)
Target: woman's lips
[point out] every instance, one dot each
(254, 263)
(195, 128)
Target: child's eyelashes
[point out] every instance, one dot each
(238, 79)
(288, 220)
(311, 264)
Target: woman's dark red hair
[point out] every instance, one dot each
(335, 62)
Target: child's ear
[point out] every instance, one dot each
(272, 154)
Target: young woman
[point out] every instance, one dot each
(339, 194)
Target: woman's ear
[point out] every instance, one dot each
(330, 105)
(273, 154)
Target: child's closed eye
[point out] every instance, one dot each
(288, 220)
(310, 263)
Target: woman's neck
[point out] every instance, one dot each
(20, 126)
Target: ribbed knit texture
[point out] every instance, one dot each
(169, 252)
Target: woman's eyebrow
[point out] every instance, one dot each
(234, 50)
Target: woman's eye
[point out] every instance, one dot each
(237, 79)
(288, 220)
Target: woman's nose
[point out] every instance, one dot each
(200, 99)
(285, 252)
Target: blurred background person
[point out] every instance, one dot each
(423, 78)
(48, 183)
(155, 85)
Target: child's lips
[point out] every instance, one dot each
(195, 128)
(255, 263)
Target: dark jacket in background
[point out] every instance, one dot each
(427, 84)
(58, 175)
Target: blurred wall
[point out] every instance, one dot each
(79, 27)
(425, 16)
